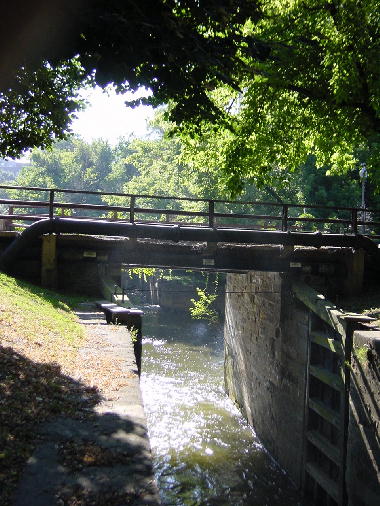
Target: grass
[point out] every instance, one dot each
(361, 353)
(39, 341)
(36, 313)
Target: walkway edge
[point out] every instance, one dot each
(116, 433)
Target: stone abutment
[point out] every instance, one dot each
(306, 376)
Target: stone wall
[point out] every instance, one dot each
(363, 449)
(266, 333)
(267, 343)
(80, 277)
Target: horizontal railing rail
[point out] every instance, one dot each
(352, 217)
(189, 199)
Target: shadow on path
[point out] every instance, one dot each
(57, 449)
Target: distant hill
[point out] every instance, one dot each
(9, 169)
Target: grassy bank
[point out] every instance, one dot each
(34, 312)
(39, 341)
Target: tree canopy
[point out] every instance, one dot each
(176, 48)
(316, 91)
(277, 80)
(156, 167)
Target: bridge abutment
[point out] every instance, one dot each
(265, 354)
(303, 375)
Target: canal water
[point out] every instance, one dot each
(204, 451)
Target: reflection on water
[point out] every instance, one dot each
(205, 453)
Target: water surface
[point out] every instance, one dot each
(204, 451)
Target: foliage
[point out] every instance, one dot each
(270, 82)
(308, 225)
(143, 273)
(165, 166)
(38, 109)
(201, 307)
(177, 48)
(134, 334)
(314, 91)
(71, 163)
(361, 353)
(315, 187)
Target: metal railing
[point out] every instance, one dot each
(274, 215)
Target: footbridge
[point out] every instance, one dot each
(295, 362)
(53, 226)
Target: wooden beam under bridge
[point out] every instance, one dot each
(185, 255)
(178, 233)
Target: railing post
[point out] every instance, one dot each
(132, 209)
(9, 223)
(354, 221)
(284, 224)
(211, 217)
(51, 204)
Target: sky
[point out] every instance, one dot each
(107, 116)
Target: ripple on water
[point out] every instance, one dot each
(205, 452)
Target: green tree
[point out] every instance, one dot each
(39, 106)
(299, 77)
(315, 91)
(122, 170)
(177, 48)
(331, 190)
(73, 164)
(152, 167)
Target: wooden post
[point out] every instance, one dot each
(51, 204)
(49, 261)
(284, 226)
(211, 217)
(9, 223)
(354, 221)
(132, 209)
